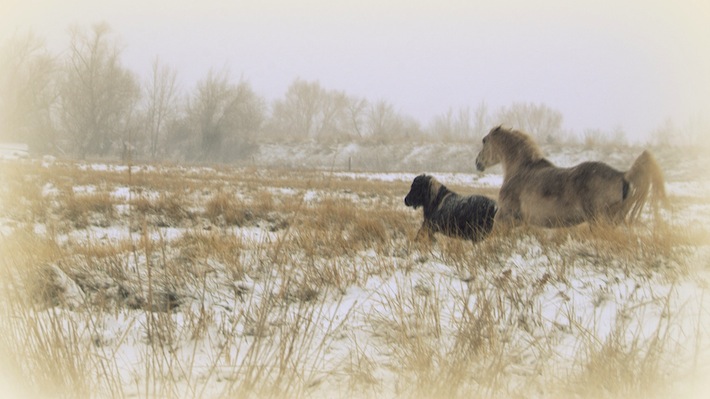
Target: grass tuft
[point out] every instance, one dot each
(223, 282)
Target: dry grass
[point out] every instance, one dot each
(270, 283)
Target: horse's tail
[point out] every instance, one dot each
(645, 177)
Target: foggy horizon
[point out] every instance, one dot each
(603, 65)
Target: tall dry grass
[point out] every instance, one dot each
(253, 283)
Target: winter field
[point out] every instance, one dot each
(167, 281)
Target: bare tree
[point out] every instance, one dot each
(297, 113)
(98, 96)
(161, 94)
(481, 121)
(27, 92)
(538, 120)
(310, 111)
(225, 116)
(665, 134)
(383, 120)
(466, 123)
(454, 125)
(356, 115)
(331, 119)
(443, 125)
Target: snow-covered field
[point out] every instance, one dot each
(171, 281)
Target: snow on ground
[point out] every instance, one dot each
(14, 151)
(469, 179)
(557, 300)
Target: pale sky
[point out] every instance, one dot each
(602, 63)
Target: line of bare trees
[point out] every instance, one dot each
(85, 103)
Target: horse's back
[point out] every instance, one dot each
(552, 196)
(471, 215)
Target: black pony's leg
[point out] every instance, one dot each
(426, 231)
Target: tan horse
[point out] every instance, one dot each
(536, 192)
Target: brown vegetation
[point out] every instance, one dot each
(229, 282)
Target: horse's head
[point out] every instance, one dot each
(489, 155)
(419, 192)
(423, 192)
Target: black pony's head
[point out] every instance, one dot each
(420, 192)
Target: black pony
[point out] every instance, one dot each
(470, 217)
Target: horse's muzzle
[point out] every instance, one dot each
(480, 166)
(409, 202)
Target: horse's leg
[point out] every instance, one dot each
(600, 223)
(419, 233)
(424, 239)
(425, 233)
(503, 222)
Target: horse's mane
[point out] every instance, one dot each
(525, 145)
